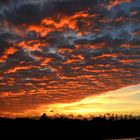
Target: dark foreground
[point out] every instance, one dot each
(100, 128)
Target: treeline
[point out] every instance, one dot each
(106, 116)
(105, 126)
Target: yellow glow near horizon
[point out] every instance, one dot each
(124, 100)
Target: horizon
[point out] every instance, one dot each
(94, 104)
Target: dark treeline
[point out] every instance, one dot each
(100, 127)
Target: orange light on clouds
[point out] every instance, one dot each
(53, 61)
(116, 2)
(7, 52)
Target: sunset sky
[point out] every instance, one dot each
(69, 57)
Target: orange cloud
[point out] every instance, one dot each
(74, 59)
(46, 61)
(113, 3)
(90, 46)
(32, 45)
(70, 22)
(40, 29)
(48, 25)
(13, 70)
(6, 54)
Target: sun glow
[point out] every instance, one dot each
(118, 101)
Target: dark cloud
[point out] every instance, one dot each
(25, 14)
(3, 43)
(4, 1)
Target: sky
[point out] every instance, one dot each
(69, 56)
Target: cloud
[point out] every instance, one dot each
(4, 1)
(63, 51)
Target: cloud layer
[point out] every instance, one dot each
(62, 51)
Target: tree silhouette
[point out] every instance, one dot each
(43, 116)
